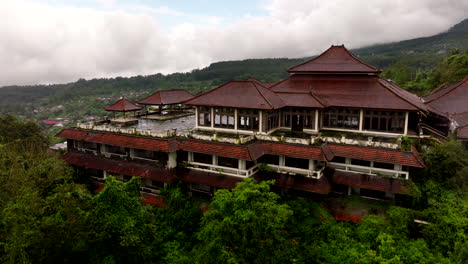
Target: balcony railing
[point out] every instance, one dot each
(369, 170)
(316, 174)
(223, 170)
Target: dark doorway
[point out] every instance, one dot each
(297, 123)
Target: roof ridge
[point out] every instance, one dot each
(264, 97)
(333, 46)
(387, 85)
(446, 90)
(207, 92)
(317, 98)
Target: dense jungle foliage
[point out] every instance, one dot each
(47, 215)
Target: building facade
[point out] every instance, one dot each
(332, 126)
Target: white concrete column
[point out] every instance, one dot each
(235, 119)
(132, 153)
(215, 160)
(196, 117)
(212, 116)
(172, 160)
(282, 161)
(104, 174)
(406, 123)
(242, 165)
(316, 120)
(190, 156)
(397, 167)
(103, 148)
(361, 119)
(260, 120)
(311, 165)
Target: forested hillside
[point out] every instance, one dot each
(418, 65)
(48, 215)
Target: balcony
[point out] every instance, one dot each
(222, 170)
(369, 170)
(315, 174)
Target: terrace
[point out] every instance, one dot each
(185, 127)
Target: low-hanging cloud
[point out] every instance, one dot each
(46, 44)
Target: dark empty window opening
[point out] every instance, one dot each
(359, 162)
(116, 150)
(297, 163)
(269, 159)
(202, 158)
(228, 162)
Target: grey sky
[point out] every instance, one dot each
(46, 42)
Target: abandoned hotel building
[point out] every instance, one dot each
(332, 126)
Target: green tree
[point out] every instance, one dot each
(122, 230)
(245, 225)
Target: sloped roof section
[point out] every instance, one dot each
(134, 142)
(297, 182)
(348, 91)
(300, 100)
(123, 105)
(239, 94)
(335, 60)
(72, 134)
(450, 99)
(296, 151)
(167, 97)
(218, 149)
(411, 159)
(119, 167)
(377, 183)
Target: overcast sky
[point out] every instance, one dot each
(52, 41)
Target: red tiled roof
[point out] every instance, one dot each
(450, 99)
(297, 182)
(265, 84)
(72, 134)
(295, 151)
(210, 179)
(134, 142)
(461, 118)
(167, 97)
(239, 94)
(411, 159)
(218, 149)
(123, 105)
(462, 132)
(351, 91)
(377, 183)
(336, 59)
(119, 167)
(300, 100)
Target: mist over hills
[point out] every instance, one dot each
(417, 55)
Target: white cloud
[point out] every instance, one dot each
(45, 44)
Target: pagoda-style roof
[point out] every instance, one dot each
(265, 84)
(239, 94)
(335, 60)
(346, 91)
(123, 105)
(167, 97)
(450, 99)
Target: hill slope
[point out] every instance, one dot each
(401, 61)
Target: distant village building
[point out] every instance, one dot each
(332, 126)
